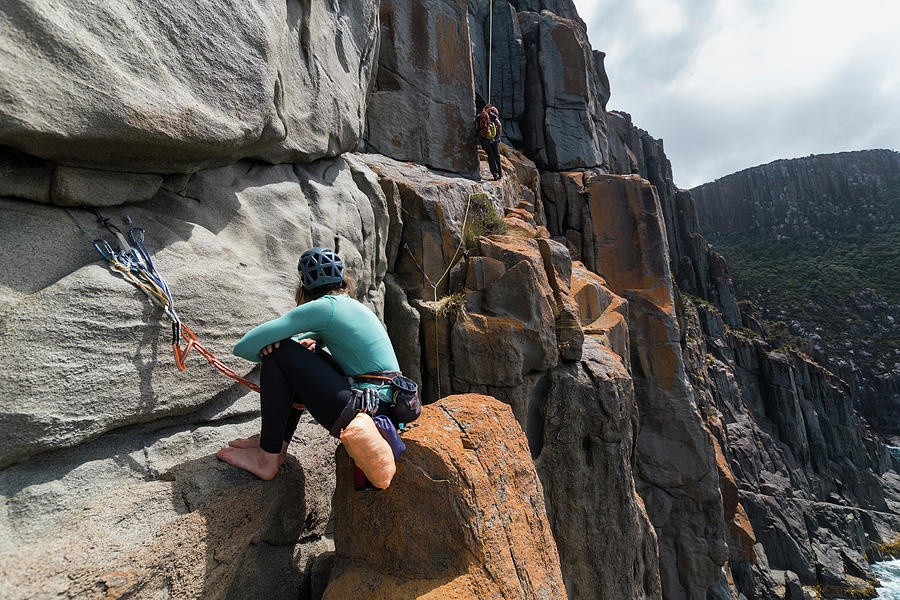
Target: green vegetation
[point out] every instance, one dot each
(451, 307)
(483, 220)
(791, 271)
(818, 282)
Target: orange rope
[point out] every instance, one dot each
(192, 342)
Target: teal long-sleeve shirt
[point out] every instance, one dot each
(349, 330)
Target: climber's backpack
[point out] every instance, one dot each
(489, 132)
(369, 450)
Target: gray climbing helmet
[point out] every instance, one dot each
(320, 266)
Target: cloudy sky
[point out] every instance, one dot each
(730, 84)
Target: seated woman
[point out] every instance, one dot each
(294, 366)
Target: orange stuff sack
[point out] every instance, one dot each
(369, 450)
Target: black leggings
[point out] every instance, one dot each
(290, 374)
(492, 149)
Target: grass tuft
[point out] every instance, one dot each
(452, 307)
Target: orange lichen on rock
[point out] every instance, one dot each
(463, 519)
(630, 246)
(603, 313)
(742, 538)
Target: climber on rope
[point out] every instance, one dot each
(489, 129)
(298, 374)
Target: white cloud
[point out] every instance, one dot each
(730, 83)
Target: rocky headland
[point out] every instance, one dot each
(613, 431)
(812, 243)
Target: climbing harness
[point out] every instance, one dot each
(132, 261)
(404, 405)
(434, 284)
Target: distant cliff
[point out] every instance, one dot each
(803, 197)
(813, 242)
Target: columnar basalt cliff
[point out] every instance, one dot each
(801, 197)
(840, 212)
(638, 445)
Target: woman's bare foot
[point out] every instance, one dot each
(254, 443)
(244, 443)
(255, 460)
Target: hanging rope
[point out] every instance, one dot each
(490, 48)
(135, 266)
(434, 284)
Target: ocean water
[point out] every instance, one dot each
(888, 573)
(895, 451)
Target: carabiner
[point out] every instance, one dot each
(132, 229)
(106, 250)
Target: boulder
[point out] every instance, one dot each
(463, 518)
(149, 511)
(163, 88)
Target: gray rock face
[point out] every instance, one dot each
(108, 483)
(520, 294)
(839, 206)
(162, 88)
(507, 68)
(808, 476)
(423, 103)
(616, 224)
(148, 511)
(85, 325)
(696, 269)
(818, 488)
(585, 465)
(563, 126)
(146, 507)
(551, 88)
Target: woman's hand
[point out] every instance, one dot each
(269, 349)
(309, 344)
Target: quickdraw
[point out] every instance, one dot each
(133, 263)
